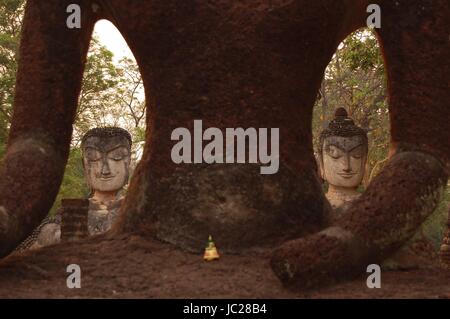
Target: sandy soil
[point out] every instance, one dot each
(133, 267)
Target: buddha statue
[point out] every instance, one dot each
(342, 158)
(106, 161)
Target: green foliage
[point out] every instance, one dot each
(110, 95)
(73, 184)
(97, 95)
(139, 134)
(361, 52)
(435, 227)
(11, 12)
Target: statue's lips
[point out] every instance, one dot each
(345, 175)
(106, 178)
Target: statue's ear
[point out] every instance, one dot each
(319, 162)
(86, 177)
(321, 170)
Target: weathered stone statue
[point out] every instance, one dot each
(106, 162)
(342, 158)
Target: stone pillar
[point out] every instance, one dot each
(74, 219)
(261, 70)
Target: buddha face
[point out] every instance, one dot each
(344, 160)
(106, 162)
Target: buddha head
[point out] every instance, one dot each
(343, 152)
(106, 160)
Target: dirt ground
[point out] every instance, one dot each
(133, 267)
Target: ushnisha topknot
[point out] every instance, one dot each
(343, 126)
(108, 131)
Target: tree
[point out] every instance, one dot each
(130, 89)
(110, 94)
(11, 12)
(97, 96)
(73, 184)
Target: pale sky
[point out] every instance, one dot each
(111, 38)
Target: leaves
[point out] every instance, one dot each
(11, 12)
(110, 95)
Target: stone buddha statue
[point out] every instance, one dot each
(342, 158)
(106, 161)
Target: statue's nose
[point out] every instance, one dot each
(347, 168)
(105, 168)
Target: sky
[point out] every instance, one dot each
(111, 38)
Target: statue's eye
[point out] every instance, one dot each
(357, 152)
(336, 156)
(334, 152)
(92, 155)
(115, 157)
(118, 154)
